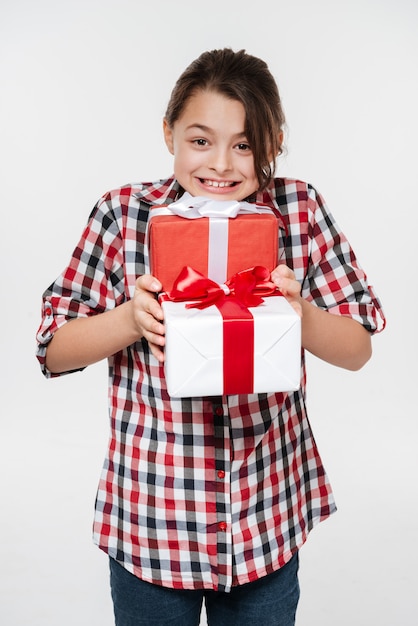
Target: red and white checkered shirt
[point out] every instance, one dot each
(217, 491)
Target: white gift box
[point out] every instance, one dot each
(194, 349)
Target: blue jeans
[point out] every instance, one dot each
(269, 601)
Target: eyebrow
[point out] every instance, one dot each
(206, 129)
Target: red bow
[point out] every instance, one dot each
(247, 287)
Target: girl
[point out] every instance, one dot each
(207, 498)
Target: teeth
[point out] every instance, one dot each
(215, 183)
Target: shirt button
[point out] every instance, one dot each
(221, 474)
(222, 526)
(219, 411)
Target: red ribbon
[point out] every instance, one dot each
(243, 290)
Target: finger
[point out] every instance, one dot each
(281, 272)
(153, 307)
(147, 282)
(156, 343)
(158, 353)
(150, 321)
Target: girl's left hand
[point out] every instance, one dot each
(336, 339)
(284, 278)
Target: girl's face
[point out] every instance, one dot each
(212, 157)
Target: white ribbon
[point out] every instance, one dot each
(193, 207)
(218, 212)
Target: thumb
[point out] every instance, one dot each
(148, 283)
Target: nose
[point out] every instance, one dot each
(220, 160)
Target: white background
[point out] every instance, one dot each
(84, 86)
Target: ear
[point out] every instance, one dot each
(280, 137)
(168, 136)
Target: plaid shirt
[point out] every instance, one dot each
(217, 491)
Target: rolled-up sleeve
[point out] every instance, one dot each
(335, 280)
(91, 283)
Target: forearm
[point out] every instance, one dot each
(336, 339)
(83, 341)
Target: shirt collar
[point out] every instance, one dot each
(267, 198)
(161, 192)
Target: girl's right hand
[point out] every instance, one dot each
(148, 314)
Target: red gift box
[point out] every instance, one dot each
(217, 247)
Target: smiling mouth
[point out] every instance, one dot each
(217, 183)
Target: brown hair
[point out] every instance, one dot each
(242, 77)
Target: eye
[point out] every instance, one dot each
(243, 147)
(200, 142)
